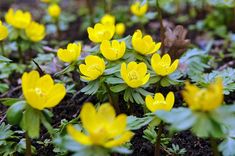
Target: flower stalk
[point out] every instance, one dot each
(2, 48)
(214, 147)
(158, 140)
(28, 145)
(113, 100)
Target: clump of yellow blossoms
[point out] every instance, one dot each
(101, 32)
(3, 31)
(35, 31)
(108, 19)
(54, 10)
(41, 92)
(135, 75)
(102, 126)
(162, 66)
(139, 10)
(159, 102)
(144, 44)
(18, 19)
(113, 50)
(72, 53)
(93, 68)
(120, 29)
(204, 99)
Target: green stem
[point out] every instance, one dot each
(2, 48)
(21, 56)
(214, 147)
(112, 99)
(28, 145)
(158, 141)
(162, 29)
(158, 85)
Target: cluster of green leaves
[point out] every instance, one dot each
(11, 142)
(29, 119)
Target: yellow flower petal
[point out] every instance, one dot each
(121, 140)
(89, 118)
(78, 136)
(106, 112)
(56, 94)
(170, 100)
(149, 103)
(118, 126)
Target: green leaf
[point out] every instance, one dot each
(13, 33)
(138, 98)
(3, 87)
(154, 79)
(15, 112)
(135, 123)
(46, 124)
(143, 92)
(91, 88)
(122, 150)
(205, 126)
(227, 146)
(164, 82)
(31, 122)
(114, 80)
(4, 59)
(179, 118)
(118, 88)
(5, 131)
(112, 70)
(9, 101)
(127, 94)
(67, 69)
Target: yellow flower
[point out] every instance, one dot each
(120, 29)
(139, 10)
(54, 10)
(108, 19)
(93, 68)
(144, 44)
(101, 32)
(72, 53)
(162, 66)
(102, 126)
(205, 99)
(3, 31)
(135, 74)
(18, 19)
(159, 102)
(41, 92)
(35, 31)
(114, 50)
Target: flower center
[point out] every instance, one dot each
(159, 102)
(94, 67)
(39, 92)
(133, 75)
(115, 51)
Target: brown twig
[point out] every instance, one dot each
(39, 68)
